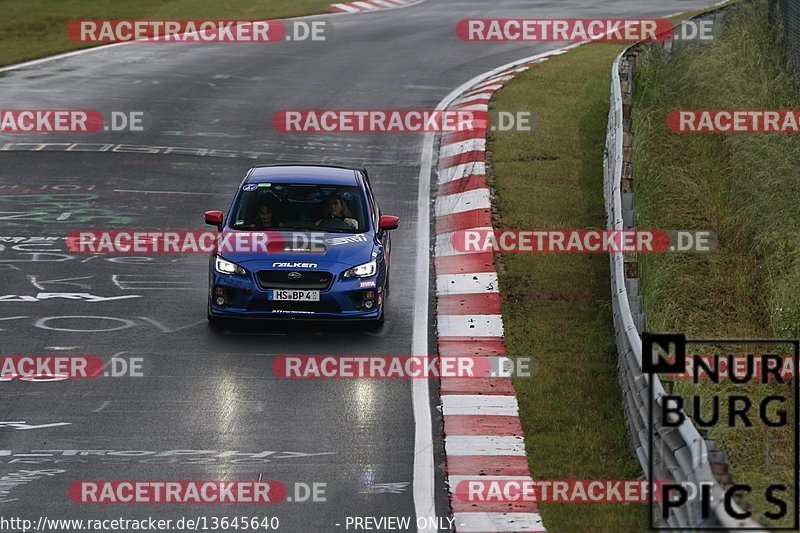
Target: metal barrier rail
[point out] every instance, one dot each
(784, 17)
(680, 455)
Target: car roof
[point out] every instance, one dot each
(303, 174)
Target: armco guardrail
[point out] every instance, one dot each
(680, 455)
(784, 16)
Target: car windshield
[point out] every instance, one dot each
(308, 207)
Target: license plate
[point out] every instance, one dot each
(295, 295)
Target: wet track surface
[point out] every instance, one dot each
(207, 405)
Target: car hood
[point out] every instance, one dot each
(345, 248)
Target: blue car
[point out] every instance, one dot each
(327, 252)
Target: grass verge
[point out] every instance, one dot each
(744, 187)
(38, 28)
(557, 307)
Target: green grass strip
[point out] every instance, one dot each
(38, 28)
(557, 307)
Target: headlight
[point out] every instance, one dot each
(226, 267)
(362, 271)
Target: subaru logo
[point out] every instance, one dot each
(295, 275)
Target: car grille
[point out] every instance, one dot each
(267, 306)
(308, 280)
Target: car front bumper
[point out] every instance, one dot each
(244, 297)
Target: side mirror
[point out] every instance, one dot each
(388, 222)
(215, 218)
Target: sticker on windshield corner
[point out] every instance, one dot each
(265, 185)
(250, 187)
(239, 223)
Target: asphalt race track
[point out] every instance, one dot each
(204, 392)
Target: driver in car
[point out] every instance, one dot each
(265, 218)
(335, 207)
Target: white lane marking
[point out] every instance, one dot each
(165, 329)
(444, 244)
(153, 282)
(465, 201)
(473, 522)
(21, 424)
(473, 283)
(40, 284)
(459, 171)
(484, 445)
(386, 488)
(82, 296)
(61, 348)
(479, 404)
(470, 325)
(460, 147)
(424, 474)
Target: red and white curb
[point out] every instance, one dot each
(371, 5)
(482, 433)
